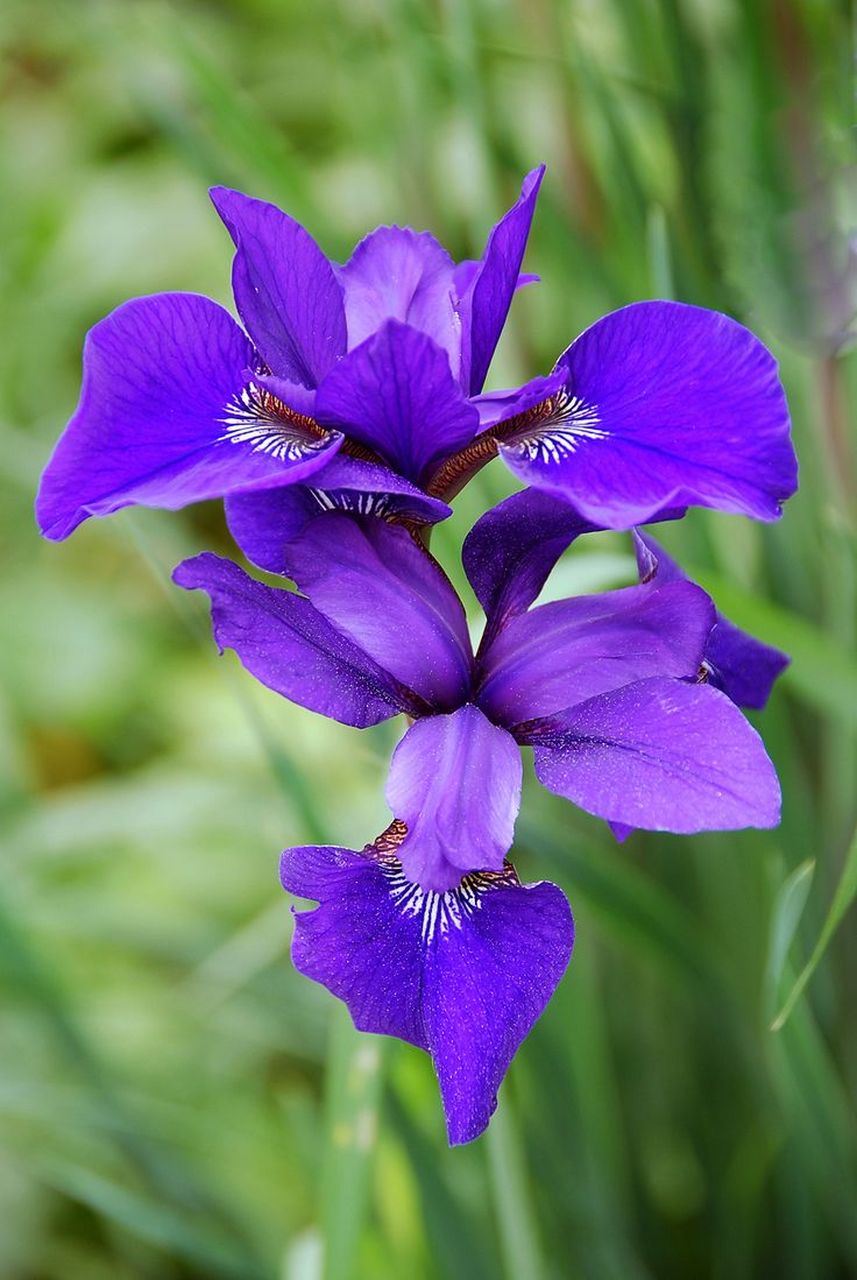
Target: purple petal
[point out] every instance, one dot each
(665, 404)
(376, 585)
(510, 551)
(285, 289)
(495, 407)
(486, 301)
(396, 394)
(563, 653)
(455, 781)
(263, 524)
(660, 754)
(463, 974)
(167, 417)
(399, 274)
(743, 667)
(287, 645)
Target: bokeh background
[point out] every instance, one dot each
(175, 1102)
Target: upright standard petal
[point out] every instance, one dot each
(376, 585)
(488, 296)
(263, 524)
(665, 404)
(463, 974)
(455, 781)
(288, 646)
(660, 754)
(285, 289)
(169, 414)
(739, 664)
(565, 652)
(396, 394)
(399, 274)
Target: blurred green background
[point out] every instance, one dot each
(174, 1100)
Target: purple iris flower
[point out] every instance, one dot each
(346, 374)
(427, 934)
(368, 378)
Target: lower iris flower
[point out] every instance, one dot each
(427, 934)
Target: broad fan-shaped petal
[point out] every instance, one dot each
(665, 404)
(376, 585)
(168, 415)
(399, 274)
(288, 646)
(285, 289)
(660, 754)
(562, 653)
(739, 664)
(464, 974)
(486, 300)
(396, 394)
(263, 524)
(455, 781)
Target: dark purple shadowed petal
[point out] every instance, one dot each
(376, 585)
(510, 551)
(660, 754)
(287, 645)
(399, 274)
(562, 653)
(666, 404)
(285, 289)
(621, 831)
(463, 974)
(743, 667)
(455, 781)
(263, 524)
(485, 303)
(167, 417)
(396, 394)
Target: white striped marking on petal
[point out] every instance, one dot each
(572, 420)
(251, 419)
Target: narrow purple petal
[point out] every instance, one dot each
(263, 524)
(168, 416)
(455, 781)
(495, 407)
(510, 551)
(566, 652)
(739, 664)
(665, 404)
(463, 974)
(660, 754)
(396, 394)
(485, 304)
(285, 289)
(287, 645)
(378, 586)
(399, 274)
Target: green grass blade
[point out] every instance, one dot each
(844, 895)
(785, 918)
(510, 1184)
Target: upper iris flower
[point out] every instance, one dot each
(427, 934)
(358, 376)
(367, 379)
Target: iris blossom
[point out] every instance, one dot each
(369, 377)
(357, 375)
(427, 934)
